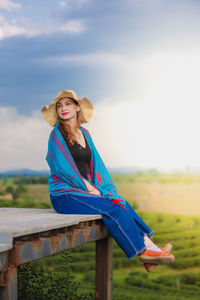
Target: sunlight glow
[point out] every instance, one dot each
(159, 129)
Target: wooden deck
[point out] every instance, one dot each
(27, 234)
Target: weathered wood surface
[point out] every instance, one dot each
(15, 222)
(27, 234)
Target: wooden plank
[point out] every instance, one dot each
(104, 266)
(16, 222)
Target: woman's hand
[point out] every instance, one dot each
(95, 191)
(92, 189)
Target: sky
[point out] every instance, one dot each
(138, 61)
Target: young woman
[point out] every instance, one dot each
(79, 182)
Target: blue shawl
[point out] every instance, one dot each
(65, 177)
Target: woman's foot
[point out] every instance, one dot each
(156, 257)
(151, 267)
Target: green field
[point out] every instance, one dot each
(172, 193)
(180, 280)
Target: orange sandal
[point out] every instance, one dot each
(151, 267)
(156, 257)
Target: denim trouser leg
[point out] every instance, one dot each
(141, 225)
(125, 226)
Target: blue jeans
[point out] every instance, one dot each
(123, 223)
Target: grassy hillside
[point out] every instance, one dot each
(180, 280)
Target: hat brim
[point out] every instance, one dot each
(50, 115)
(86, 110)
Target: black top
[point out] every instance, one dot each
(80, 154)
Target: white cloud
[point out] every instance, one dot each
(73, 4)
(30, 29)
(73, 26)
(9, 29)
(8, 5)
(23, 140)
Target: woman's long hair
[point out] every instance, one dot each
(65, 128)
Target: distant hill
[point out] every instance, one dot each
(119, 170)
(24, 172)
(28, 172)
(132, 170)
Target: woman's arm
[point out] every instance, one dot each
(92, 189)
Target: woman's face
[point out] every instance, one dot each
(67, 109)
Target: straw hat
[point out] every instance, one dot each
(50, 114)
